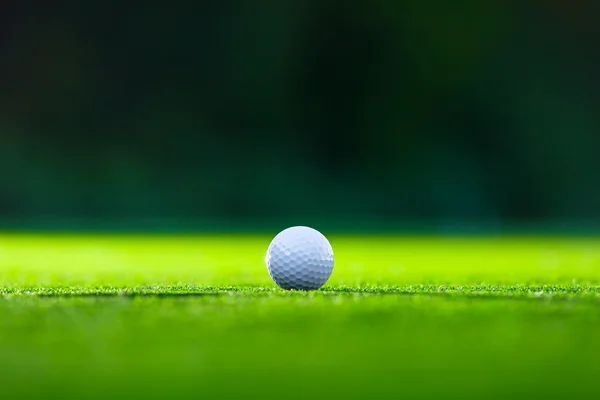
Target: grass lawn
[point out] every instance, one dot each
(198, 317)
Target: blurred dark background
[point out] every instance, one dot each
(372, 114)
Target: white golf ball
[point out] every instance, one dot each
(300, 258)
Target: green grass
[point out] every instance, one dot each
(198, 317)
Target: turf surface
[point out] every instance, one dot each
(198, 317)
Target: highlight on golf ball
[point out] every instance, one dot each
(300, 258)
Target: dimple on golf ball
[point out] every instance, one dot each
(300, 258)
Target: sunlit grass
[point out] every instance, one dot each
(197, 316)
(124, 261)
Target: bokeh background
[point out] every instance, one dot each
(435, 115)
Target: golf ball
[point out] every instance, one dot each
(300, 258)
